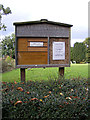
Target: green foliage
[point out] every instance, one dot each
(87, 43)
(71, 54)
(79, 52)
(3, 11)
(8, 64)
(8, 46)
(59, 99)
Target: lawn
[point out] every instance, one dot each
(75, 71)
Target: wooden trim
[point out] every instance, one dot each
(16, 45)
(37, 40)
(69, 45)
(48, 52)
(40, 66)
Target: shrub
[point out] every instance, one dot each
(59, 99)
(8, 64)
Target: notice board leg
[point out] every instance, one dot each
(22, 74)
(61, 71)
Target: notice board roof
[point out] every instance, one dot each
(41, 22)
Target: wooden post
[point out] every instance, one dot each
(61, 71)
(22, 70)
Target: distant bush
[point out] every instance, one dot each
(82, 62)
(8, 64)
(53, 100)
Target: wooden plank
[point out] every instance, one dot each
(32, 58)
(22, 44)
(61, 71)
(37, 40)
(44, 65)
(22, 70)
(37, 49)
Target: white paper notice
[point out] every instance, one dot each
(58, 50)
(36, 44)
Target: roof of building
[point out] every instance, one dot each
(41, 22)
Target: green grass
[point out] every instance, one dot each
(75, 71)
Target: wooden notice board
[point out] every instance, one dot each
(42, 44)
(32, 51)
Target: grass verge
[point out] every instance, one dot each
(75, 71)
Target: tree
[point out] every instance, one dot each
(79, 52)
(71, 54)
(87, 43)
(8, 46)
(3, 11)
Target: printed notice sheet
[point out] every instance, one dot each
(58, 50)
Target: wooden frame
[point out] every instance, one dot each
(47, 47)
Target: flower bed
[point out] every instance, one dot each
(59, 99)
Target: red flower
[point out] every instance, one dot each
(25, 102)
(61, 106)
(75, 97)
(84, 98)
(67, 103)
(4, 83)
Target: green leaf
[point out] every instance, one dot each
(7, 10)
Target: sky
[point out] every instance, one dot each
(73, 12)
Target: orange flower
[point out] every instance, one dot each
(19, 88)
(18, 102)
(28, 92)
(49, 92)
(66, 103)
(69, 98)
(15, 82)
(46, 96)
(34, 99)
(22, 82)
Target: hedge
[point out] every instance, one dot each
(55, 99)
